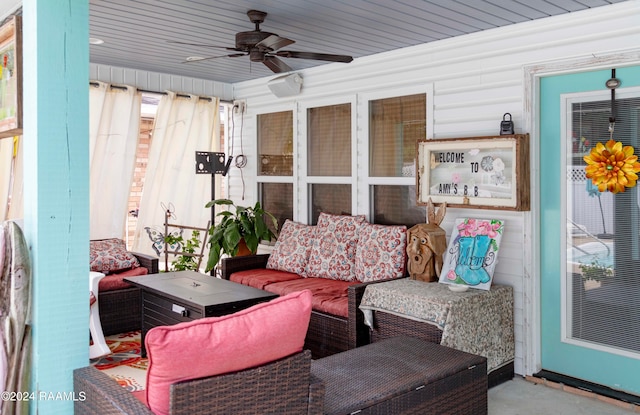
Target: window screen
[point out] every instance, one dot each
(395, 124)
(329, 140)
(275, 143)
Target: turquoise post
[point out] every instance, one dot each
(56, 189)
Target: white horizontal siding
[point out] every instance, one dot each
(474, 79)
(158, 82)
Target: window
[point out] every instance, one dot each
(395, 125)
(275, 155)
(277, 199)
(275, 143)
(329, 140)
(312, 159)
(396, 205)
(330, 198)
(329, 160)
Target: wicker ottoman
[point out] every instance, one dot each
(403, 375)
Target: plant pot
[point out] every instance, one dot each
(242, 248)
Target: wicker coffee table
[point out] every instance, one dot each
(174, 297)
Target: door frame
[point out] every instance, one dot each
(531, 286)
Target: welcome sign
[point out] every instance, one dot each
(486, 172)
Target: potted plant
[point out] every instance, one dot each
(244, 226)
(596, 271)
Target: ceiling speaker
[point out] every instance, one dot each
(286, 85)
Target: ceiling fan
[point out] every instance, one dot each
(264, 47)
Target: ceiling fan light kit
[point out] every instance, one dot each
(286, 85)
(264, 47)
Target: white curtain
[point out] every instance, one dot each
(11, 178)
(113, 132)
(183, 125)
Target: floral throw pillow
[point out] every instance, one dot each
(333, 250)
(381, 252)
(291, 251)
(110, 255)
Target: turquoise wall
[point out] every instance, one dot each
(56, 188)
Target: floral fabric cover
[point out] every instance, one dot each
(292, 249)
(333, 250)
(381, 252)
(474, 321)
(110, 255)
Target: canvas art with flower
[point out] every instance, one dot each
(472, 253)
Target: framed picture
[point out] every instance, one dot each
(11, 78)
(483, 172)
(472, 253)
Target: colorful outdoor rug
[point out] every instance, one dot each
(124, 365)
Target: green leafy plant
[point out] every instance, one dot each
(185, 262)
(246, 223)
(595, 271)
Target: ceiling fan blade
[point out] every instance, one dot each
(313, 55)
(275, 64)
(275, 42)
(200, 45)
(233, 55)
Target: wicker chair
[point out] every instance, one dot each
(285, 386)
(121, 310)
(328, 334)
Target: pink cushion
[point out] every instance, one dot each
(329, 296)
(261, 277)
(116, 281)
(381, 252)
(333, 250)
(292, 248)
(110, 255)
(215, 345)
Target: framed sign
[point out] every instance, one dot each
(11, 78)
(484, 172)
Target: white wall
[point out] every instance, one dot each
(159, 82)
(472, 81)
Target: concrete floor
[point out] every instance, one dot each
(522, 397)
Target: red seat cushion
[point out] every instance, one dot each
(329, 296)
(261, 277)
(115, 281)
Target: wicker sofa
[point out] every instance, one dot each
(295, 264)
(253, 391)
(119, 303)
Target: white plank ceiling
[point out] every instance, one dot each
(138, 34)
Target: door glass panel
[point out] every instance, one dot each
(603, 243)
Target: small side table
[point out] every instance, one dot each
(99, 347)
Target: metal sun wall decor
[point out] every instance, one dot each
(611, 166)
(472, 254)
